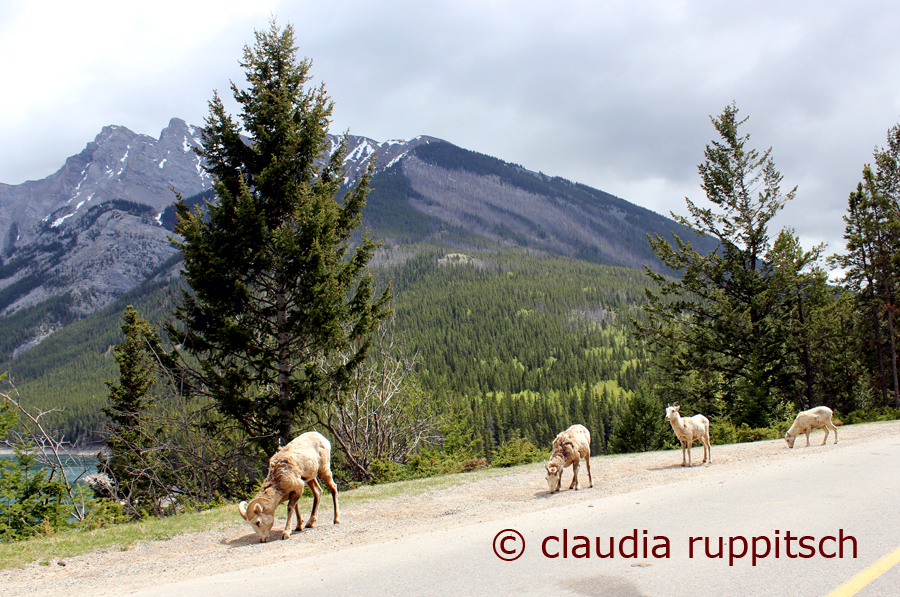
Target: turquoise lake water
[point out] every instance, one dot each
(74, 466)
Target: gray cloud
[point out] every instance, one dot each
(616, 95)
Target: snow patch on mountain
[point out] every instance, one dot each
(95, 227)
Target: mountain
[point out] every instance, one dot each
(89, 231)
(442, 193)
(77, 240)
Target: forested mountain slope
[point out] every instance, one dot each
(505, 336)
(538, 303)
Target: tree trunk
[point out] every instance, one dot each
(286, 420)
(879, 352)
(879, 349)
(890, 318)
(804, 352)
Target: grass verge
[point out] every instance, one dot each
(43, 550)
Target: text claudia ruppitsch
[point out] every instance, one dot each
(642, 545)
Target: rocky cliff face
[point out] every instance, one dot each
(92, 230)
(117, 164)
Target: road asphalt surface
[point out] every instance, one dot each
(797, 528)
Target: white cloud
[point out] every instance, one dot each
(613, 94)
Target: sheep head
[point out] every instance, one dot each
(257, 519)
(554, 476)
(789, 439)
(673, 412)
(561, 455)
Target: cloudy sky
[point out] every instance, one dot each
(613, 94)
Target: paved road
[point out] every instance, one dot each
(828, 499)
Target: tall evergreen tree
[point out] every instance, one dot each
(871, 263)
(805, 297)
(715, 331)
(281, 304)
(133, 450)
(129, 399)
(860, 273)
(887, 258)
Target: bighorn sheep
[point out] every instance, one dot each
(808, 420)
(291, 468)
(569, 447)
(688, 430)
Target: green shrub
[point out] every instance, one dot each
(388, 471)
(781, 427)
(430, 463)
(754, 434)
(517, 450)
(885, 413)
(476, 464)
(722, 432)
(104, 513)
(458, 451)
(31, 503)
(641, 426)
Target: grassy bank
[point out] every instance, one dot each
(124, 536)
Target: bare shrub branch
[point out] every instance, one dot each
(384, 416)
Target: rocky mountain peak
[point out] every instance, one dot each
(92, 229)
(117, 164)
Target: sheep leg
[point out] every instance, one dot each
(292, 506)
(683, 456)
(299, 518)
(690, 446)
(332, 487)
(833, 428)
(826, 435)
(587, 463)
(575, 477)
(317, 493)
(707, 448)
(807, 437)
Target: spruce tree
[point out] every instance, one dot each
(129, 435)
(871, 263)
(715, 332)
(129, 399)
(280, 305)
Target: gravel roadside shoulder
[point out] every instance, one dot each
(479, 499)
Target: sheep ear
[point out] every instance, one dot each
(242, 508)
(257, 508)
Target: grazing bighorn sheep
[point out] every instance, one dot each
(291, 468)
(808, 420)
(688, 430)
(569, 447)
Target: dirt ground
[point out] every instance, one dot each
(479, 498)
